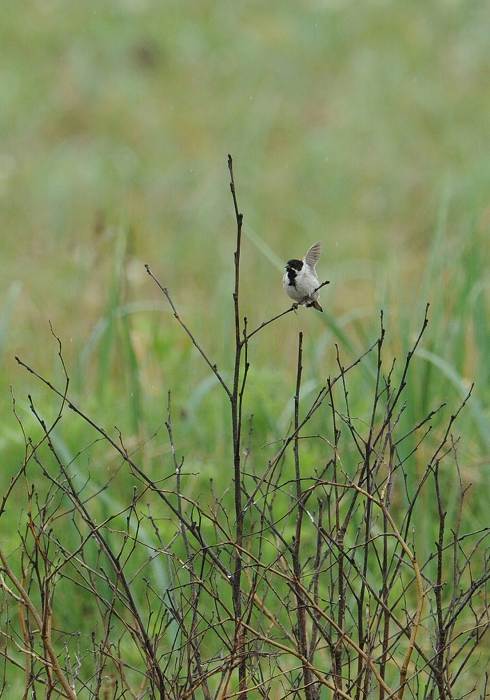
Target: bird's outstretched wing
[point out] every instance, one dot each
(313, 255)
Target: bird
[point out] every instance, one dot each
(300, 280)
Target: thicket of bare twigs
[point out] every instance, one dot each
(305, 580)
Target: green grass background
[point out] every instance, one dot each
(363, 125)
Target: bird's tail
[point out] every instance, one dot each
(315, 305)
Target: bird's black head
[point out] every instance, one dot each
(294, 264)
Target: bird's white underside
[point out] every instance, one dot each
(306, 282)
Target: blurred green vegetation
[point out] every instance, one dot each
(364, 126)
(361, 126)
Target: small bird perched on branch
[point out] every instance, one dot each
(300, 280)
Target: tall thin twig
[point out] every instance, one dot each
(236, 436)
